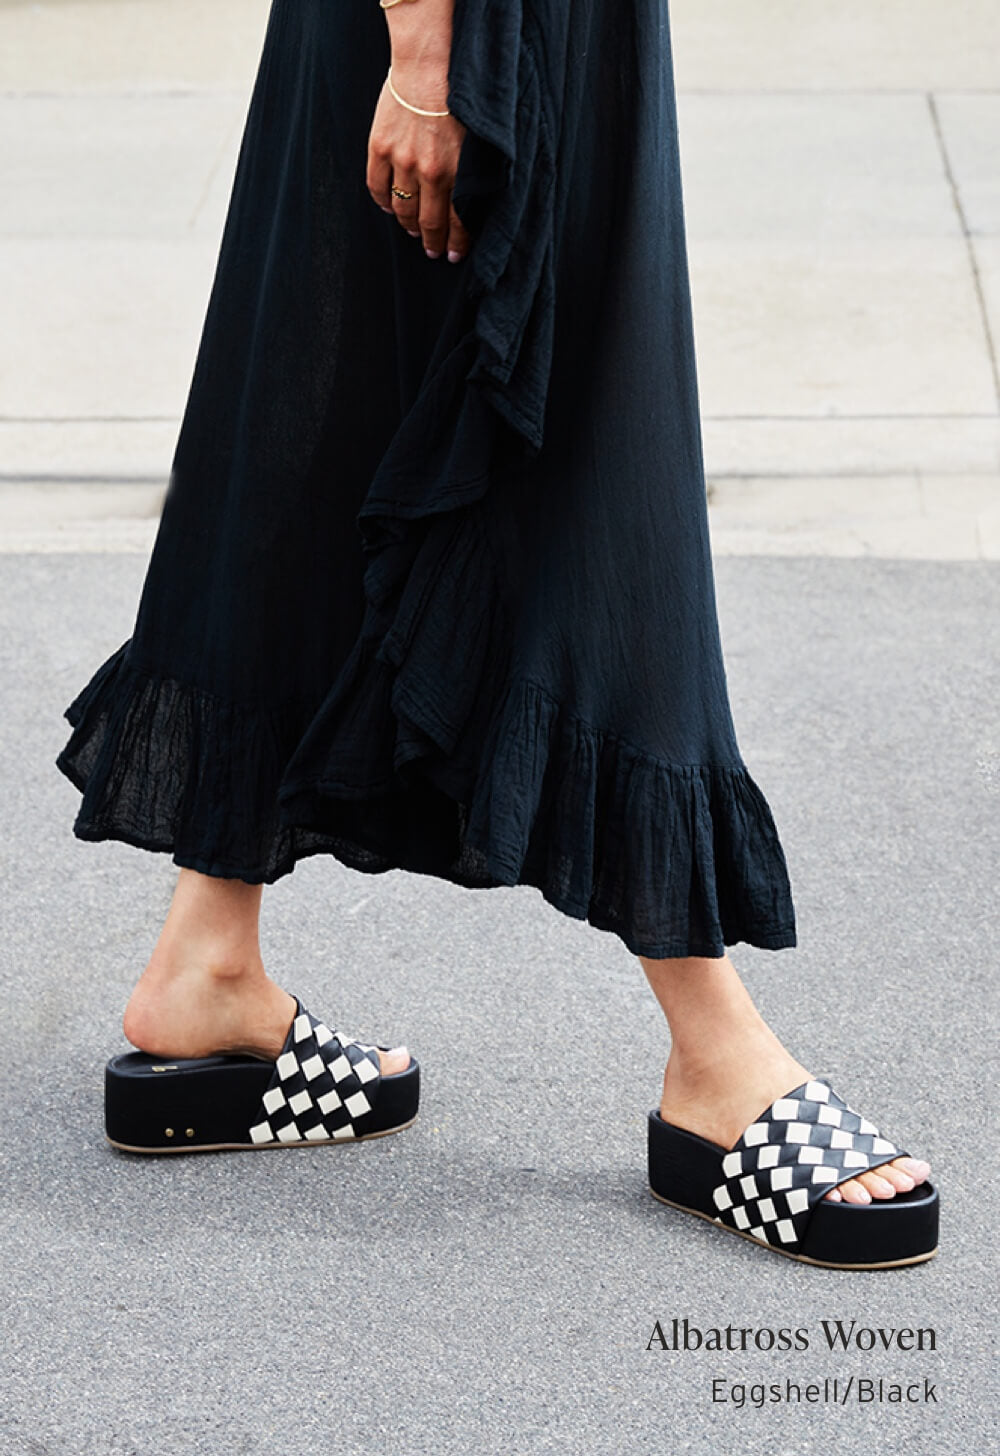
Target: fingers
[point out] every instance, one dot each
(378, 177)
(427, 214)
(440, 226)
(459, 238)
(404, 196)
(433, 216)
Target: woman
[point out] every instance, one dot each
(432, 590)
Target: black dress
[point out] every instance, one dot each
(432, 587)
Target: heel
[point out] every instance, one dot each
(152, 1105)
(682, 1166)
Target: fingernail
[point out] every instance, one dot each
(386, 209)
(431, 254)
(454, 257)
(413, 234)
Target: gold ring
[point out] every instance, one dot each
(398, 192)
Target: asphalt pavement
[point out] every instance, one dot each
(491, 1278)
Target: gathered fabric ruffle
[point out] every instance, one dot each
(166, 766)
(579, 814)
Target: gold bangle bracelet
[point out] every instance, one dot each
(387, 4)
(409, 106)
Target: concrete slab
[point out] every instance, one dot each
(60, 45)
(56, 516)
(116, 166)
(839, 45)
(813, 169)
(831, 278)
(911, 518)
(864, 328)
(851, 445)
(987, 256)
(988, 526)
(103, 328)
(99, 450)
(970, 125)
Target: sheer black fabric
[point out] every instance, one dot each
(432, 586)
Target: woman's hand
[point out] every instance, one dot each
(419, 154)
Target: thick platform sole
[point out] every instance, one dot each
(885, 1234)
(208, 1104)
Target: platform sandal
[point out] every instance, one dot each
(324, 1087)
(770, 1186)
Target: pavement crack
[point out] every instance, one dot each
(970, 247)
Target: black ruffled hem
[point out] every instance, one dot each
(673, 859)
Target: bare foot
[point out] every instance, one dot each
(189, 1010)
(719, 1093)
(726, 1065)
(205, 989)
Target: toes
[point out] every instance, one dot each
(885, 1181)
(918, 1170)
(396, 1060)
(853, 1191)
(877, 1185)
(902, 1182)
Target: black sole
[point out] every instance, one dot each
(207, 1104)
(887, 1234)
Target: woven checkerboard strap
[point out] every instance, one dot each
(324, 1085)
(796, 1151)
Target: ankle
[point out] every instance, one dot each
(215, 962)
(726, 1053)
(704, 1046)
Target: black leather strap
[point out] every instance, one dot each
(324, 1086)
(785, 1162)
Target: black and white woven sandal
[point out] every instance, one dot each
(324, 1087)
(770, 1186)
